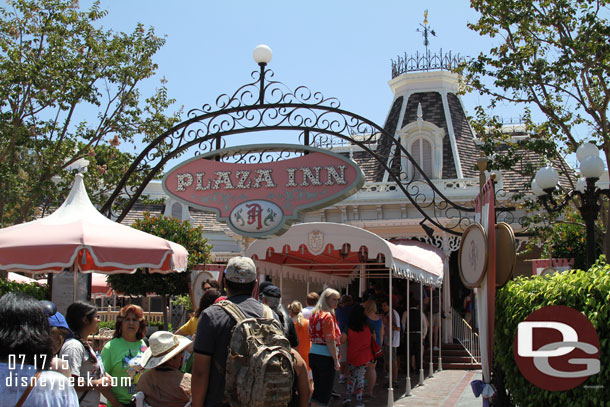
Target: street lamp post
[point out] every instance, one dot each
(585, 195)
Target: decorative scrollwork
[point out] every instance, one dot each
(257, 156)
(319, 121)
(425, 62)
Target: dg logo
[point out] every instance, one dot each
(556, 348)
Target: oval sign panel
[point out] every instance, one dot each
(263, 198)
(256, 217)
(473, 255)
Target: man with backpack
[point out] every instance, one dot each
(271, 296)
(240, 345)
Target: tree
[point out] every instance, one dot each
(552, 56)
(70, 91)
(142, 282)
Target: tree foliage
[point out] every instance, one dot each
(70, 90)
(143, 282)
(32, 289)
(551, 57)
(551, 54)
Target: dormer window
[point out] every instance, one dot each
(424, 141)
(177, 210)
(421, 151)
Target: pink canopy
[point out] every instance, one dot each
(18, 278)
(77, 236)
(99, 285)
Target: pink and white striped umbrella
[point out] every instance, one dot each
(76, 236)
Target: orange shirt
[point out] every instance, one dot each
(322, 326)
(304, 341)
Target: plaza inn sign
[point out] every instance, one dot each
(263, 198)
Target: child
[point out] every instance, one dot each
(359, 353)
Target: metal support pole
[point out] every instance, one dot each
(362, 283)
(408, 333)
(390, 335)
(281, 279)
(431, 332)
(421, 334)
(261, 97)
(75, 285)
(589, 211)
(440, 328)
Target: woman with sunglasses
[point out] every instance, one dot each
(323, 354)
(83, 362)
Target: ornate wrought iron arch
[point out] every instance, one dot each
(270, 106)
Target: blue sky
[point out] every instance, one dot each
(340, 48)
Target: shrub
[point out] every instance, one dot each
(142, 282)
(31, 289)
(585, 291)
(106, 324)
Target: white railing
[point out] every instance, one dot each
(110, 313)
(442, 184)
(463, 332)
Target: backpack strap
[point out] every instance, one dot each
(27, 391)
(267, 312)
(232, 309)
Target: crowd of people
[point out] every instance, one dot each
(46, 359)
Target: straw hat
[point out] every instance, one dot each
(163, 346)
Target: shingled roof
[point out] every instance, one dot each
(518, 178)
(198, 217)
(384, 145)
(464, 138)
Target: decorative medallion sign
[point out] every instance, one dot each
(263, 199)
(473, 255)
(315, 242)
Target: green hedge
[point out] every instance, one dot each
(32, 289)
(586, 291)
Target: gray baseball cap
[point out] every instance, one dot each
(240, 270)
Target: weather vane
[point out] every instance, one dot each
(425, 30)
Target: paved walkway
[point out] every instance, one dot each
(448, 388)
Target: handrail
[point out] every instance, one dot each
(469, 339)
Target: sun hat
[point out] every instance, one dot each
(163, 346)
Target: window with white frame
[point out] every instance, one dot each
(421, 151)
(424, 141)
(177, 210)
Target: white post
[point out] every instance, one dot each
(75, 285)
(440, 328)
(390, 335)
(362, 280)
(421, 334)
(431, 332)
(407, 334)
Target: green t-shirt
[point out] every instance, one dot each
(122, 359)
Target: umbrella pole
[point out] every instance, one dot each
(75, 283)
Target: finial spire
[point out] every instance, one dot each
(426, 30)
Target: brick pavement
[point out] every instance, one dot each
(448, 388)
